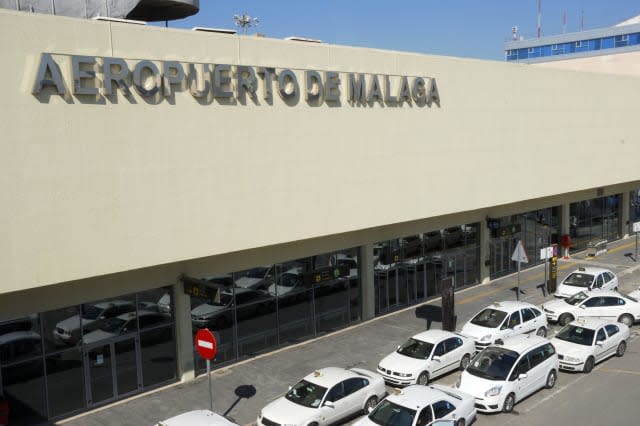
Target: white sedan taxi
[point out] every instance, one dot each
(425, 356)
(197, 418)
(609, 305)
(324, 397)
(582, 343)
(504, 319)
(583, 279)
(422, 406)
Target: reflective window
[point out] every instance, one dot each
(23, 387)
(158, 354)
(65, 381)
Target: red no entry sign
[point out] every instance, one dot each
(206, 344)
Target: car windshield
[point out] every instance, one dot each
(578, 279)
(575, 334)
(576, 298)
(389, 414)
(306, 394)
(489, 317)
(416, 349)
(493, 363)
(112, 325)
(90, 312)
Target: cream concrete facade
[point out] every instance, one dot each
(108, 194)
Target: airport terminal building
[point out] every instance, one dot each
(159, 180)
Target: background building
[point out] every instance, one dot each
(159, 180)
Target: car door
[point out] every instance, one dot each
(513, 325)
(598, 282)
(613, 334)
(443, 409)
(340, 406)
(610, 281)
(452, 356)
(601, 344)
(612, 307)
(591, 307)
(537, 373)
(521, 386)
(355, 394)
(529, 323)
(438, 359)
(425, 417)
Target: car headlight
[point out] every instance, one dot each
(494, 391)
(572, 359)
(486, 338)
(457, 384)
(405, 374)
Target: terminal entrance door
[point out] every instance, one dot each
(391, 288)
(112, 370)
(501, 251)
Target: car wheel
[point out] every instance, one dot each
(465, 361)
(423, 379)
(370, 404)
(626, 319)
(460, 422)
(588, 365)
(565, 319)
(313, 424)
(542, 332)
(509, 402)
(551, 379)
(622, 347)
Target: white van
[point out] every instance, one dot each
(507, 372)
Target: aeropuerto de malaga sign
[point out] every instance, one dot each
(105, 76)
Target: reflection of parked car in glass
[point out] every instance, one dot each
(219, 315)
(432, 240)
(452, 236)
(68, 330)
(19, 324)
(18, 345)
(126, 323)
(258, 278)
(290, 284)
(164, 303)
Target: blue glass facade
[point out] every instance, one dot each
(595, 44)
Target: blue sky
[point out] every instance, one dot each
(468, 28)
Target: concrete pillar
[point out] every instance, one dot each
(367, 288)
(485, 252)
(624, 215)
(184, 335)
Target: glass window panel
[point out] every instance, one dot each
(158, 352)
(19, 345)
(156, 300)
(23, 387)
(294, 299)
(65, 381)
(61, 328)
(107, 318)
(256, 319)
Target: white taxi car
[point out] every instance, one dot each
(504, 319)
(587, 279)
(422, 406)
(197, 418)
(501, 375)
(425, 356)
(325, 397)
(582, 343)
(609, 305)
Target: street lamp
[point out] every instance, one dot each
(245, 21)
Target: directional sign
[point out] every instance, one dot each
(546, 253)
(206, 344)
(519, 255)
(636, 226)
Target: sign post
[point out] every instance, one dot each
(636, 229)
(207, 348)
(520, 256)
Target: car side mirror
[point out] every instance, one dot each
(582, 307)
(290, 387)
(522, 376)
(435, 358)
(398, 347)
(600, 342)
(329, 404)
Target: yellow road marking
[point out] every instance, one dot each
(615, 370)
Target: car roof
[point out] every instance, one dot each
(434, 335)
(18, 335)
(108, 303)
(600, 293)
(415, 396)
(510, 305)
(522, 342)
(329, 376)
(130, 315)
(591, 323)
(592, 270)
